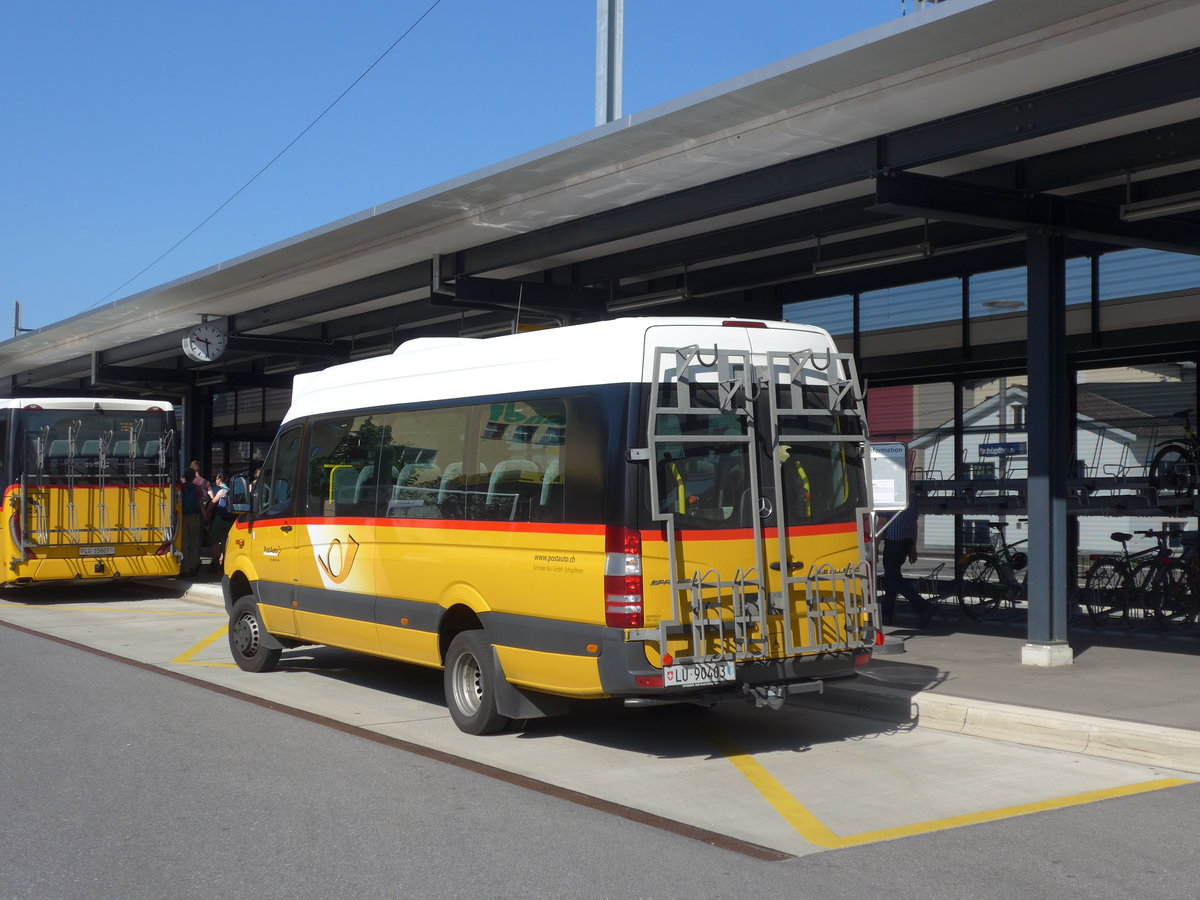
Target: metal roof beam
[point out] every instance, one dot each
(909, 194)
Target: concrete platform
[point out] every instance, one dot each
(1130, 696)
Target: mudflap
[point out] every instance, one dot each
(519, 703)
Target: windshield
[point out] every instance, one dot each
(89, 443)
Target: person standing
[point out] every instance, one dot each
(189, 524)
(204, 488)
(899, 547)
(222, 518)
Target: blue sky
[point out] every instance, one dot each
(127, 123)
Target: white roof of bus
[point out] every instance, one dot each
(609, 352)
(89, 403)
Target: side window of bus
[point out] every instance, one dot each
(347, 471)
(521, 447)
(277, 484)
(425, 455)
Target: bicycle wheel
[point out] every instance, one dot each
(1170, 600)
(1106, 591)
(1141, 581)
(1172, 469)
(980, 587)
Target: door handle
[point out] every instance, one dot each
(285, 528)
(792, 566)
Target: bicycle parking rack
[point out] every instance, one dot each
(732, 612)
(74, 472)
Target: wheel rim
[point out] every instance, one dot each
(467, 679)
(246, 635)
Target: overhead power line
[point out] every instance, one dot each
(253, 178)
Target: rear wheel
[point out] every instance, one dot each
(1106, 591)
(1172, 600)
(1172, 470)
(470, 684)
(980, 586)
(246, 636)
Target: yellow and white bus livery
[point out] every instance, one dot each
(655, 509)
(88, 489)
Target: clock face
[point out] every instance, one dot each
(204, 342)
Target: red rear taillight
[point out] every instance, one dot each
(623, 606)
(163, 549)
(14, 528)
(743, 323)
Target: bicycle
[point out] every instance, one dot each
(988, 578)
(1109, 584)
(1151, 580)
(1175, 468)
(1178, 601)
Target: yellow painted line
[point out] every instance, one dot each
(187, 658)
(815, 832)
(113, 609)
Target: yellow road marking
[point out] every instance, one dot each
(815, 832)
(112, 609)
(187, 657)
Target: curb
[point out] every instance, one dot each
(207, 594)
(1154, 745)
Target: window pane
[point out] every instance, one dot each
(344, 475)
(425, 454)
(834, 314)
(519, 461)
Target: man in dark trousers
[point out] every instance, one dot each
(900, 546)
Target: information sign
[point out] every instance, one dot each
(889, 476)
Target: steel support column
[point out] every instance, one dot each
(1050, 442)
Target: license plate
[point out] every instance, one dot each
(97, 551)
(697, 674)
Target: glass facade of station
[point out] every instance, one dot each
(967, 436)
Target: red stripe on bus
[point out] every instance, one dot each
(742, 534)
(444, 524)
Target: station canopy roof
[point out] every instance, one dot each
(938, 140)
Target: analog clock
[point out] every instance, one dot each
(204, 342)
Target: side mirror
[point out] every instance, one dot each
(239, 495)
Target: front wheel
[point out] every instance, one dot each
(1173, 470)
(470, 684)
(246, 638)
(1106, 591)
(981, 586)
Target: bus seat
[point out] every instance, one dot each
(59, 449)
(418, 475)
(90, 448)
(151, 449)
(449, 474)
(508, 467)
(120, 448)
(361, 484)
(548, 481)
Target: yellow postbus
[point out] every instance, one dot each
(659, 510)
(88, 489)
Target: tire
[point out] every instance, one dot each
(470, 685)
(246, 635)
(1171, 601)
(980, 587)
(1106, 591)
(1172, 470)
